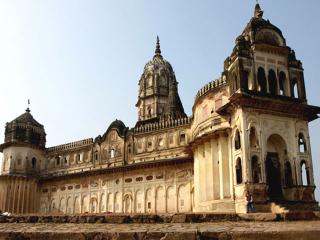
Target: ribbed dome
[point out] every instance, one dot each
(158, 63)
(26, 118)
(25, 129)
(158, 92)
(117, 125)
(259, 30)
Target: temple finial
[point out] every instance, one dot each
(28, 109)
(158, 51)
(258, 13)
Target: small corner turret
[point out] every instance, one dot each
(261, 64)
(23, 146)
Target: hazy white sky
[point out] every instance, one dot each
(80, 61)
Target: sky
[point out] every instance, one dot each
(79, 62)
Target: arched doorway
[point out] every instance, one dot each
(127, 203)
(160, 200)
(94, 205)
(276, 151)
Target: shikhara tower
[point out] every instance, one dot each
(248, 131)
(158, 91)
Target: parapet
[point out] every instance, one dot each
(72, 145)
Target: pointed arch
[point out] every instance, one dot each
(255, 169)
(282, 83)
(77, 205)
(139, 202)
(262, 81)
(237, 141)
(254, 142)
(148, 201)
(302, 143)
(183, 198)
(160, 200)
(110, 202)
(239, 170)
(171, 199)
(272, 82)
(85, 204)
(288, 174)
(245, 80)
(69, 205)
(103, 200)
(305, 175)
(295, 92)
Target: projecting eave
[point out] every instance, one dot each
(291, 108)
(18, 144)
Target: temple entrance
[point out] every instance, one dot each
(273, 176)
(274, 164)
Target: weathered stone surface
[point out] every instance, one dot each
(117, 219)
(179, 218)
(185, 231)
(164, 218)
(145, 218)
(303, 215)
(266, 217)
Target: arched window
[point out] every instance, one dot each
(255, 168)
(254, 142)
(149, 111)
(305, 175)
(182, 138)
(237, 142)
(34, 162)
(245, 80)
(295, 92)
(96, 155)
(113, 152)
(282, 83)
(58, 160)
(239, 171)
(272, 81)
(302, 143)
(288, 175)
(262, 81)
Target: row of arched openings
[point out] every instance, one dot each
(271, 81)
(256, 172)
(254, 142)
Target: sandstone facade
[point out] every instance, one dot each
(248, 131)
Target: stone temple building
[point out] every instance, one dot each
(248, 131)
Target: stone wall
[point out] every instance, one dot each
(147, 190)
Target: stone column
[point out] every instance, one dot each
(221, 173)
(14, 200)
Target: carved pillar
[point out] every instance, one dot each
(221, 173)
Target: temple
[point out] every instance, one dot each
(248, 132)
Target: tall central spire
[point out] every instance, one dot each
(158, 50)
(258, 13)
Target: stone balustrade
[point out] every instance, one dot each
(71, 145)
(209, 86)
(163, 124)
